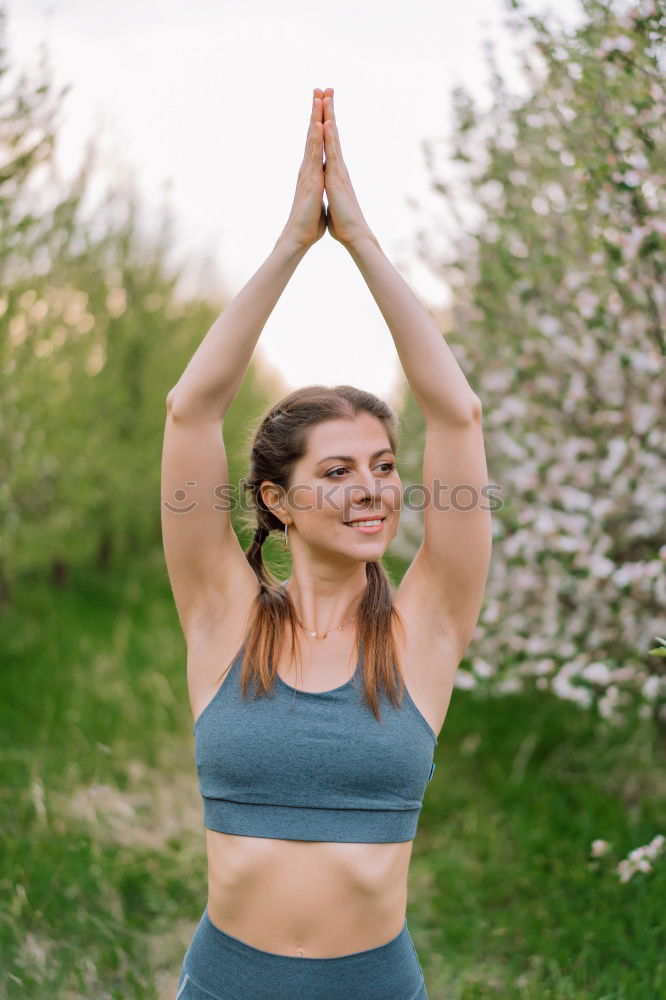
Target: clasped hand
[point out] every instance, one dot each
(309, 219)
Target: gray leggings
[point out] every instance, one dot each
(218, 966)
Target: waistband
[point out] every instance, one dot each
(371, 826)
(231, 969)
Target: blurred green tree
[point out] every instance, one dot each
(93, 334)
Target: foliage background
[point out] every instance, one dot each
(537, 871)
(559, 319)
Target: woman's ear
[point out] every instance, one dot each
(273, 497)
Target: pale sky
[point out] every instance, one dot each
(207, 103)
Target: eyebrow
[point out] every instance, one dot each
(351, 459)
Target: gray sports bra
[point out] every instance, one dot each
(302, 765)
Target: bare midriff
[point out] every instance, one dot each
(305, 898)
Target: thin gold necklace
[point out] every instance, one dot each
(310, 631)
(316, 635)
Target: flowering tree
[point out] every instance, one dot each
(558, 320)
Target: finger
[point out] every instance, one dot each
(327, 102)
(315, 137)
(317, 117)
(332, 144)
(317, 144)
(331, 135)
(317, 114)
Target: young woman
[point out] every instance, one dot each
(313, 780)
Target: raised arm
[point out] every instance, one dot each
(446, 580)
(206, 564)
(214, 374)
(212, 377)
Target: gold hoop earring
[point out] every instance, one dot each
(286, 527)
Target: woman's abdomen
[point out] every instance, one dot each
(307, 898)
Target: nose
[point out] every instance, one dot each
(367, 491)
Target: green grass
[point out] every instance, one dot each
(104, 867)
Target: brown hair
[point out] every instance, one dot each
(278, 442)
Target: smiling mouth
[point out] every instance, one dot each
(365, 522)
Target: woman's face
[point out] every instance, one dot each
(348, 473)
